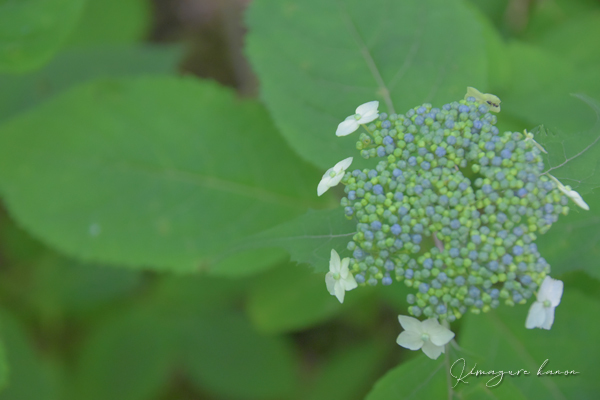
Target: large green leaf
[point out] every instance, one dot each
(31, 31)
(419, 378)
(72, 67)
(4, 370)
(573, 243)
(225, 356)
(127, 357)
(574, 157)
(318, 60)
(423, 378)
(29, 376)
(342, 367)
(112, 22)
(547, 16)
(289, 298)
(575, 40)
(309, 238)
(498, 340)
(542, 95)
(157, 172)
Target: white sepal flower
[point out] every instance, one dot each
(365, 113)
(427, 335)
(339, 279)
(570, 193)
(541, 313)
(333, 176)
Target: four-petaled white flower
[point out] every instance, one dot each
(428, 335)
(570, 193)
(339, 279)
(333, 176)
(365, 113)
(541, 313)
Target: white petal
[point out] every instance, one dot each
(330, 282)
(548, 318)
(536, 316)
(432, 351)
(325, 183)
(343, 165)
(410, 340)
(344, 271)
(336, 179)
(365, 119)
(438, 334)
(576, 197)
(334, 262)
(552, 290)
(368, 108)
(349, 282)
(410, 324)
(339, 291)
(323, 186)
(347, 127)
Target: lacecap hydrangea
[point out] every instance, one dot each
(452, 207)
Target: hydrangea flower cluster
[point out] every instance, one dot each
(452, 207)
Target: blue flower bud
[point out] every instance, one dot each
(359, 254)
(459, 280)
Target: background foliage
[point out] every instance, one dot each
(160, 227)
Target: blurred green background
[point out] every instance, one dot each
(158, 171)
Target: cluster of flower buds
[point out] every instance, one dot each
(451, 207)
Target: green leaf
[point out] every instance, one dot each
(31, 31)
(309, 238)
(157, 172)
(573, 242)
(573, 159)
(63, 286)
(546, 16)
(318, 60)
(423, 378)
(196, 294)
(72, 67)
(4, 370)
(29, 376)
(245, 263)
(225, 356)
(112, 22)
(501, 342)
(494, 11)
(575, 40)
(128, 357)
(342, 367)
(541, 95)
(419, 378)
(289, 298)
